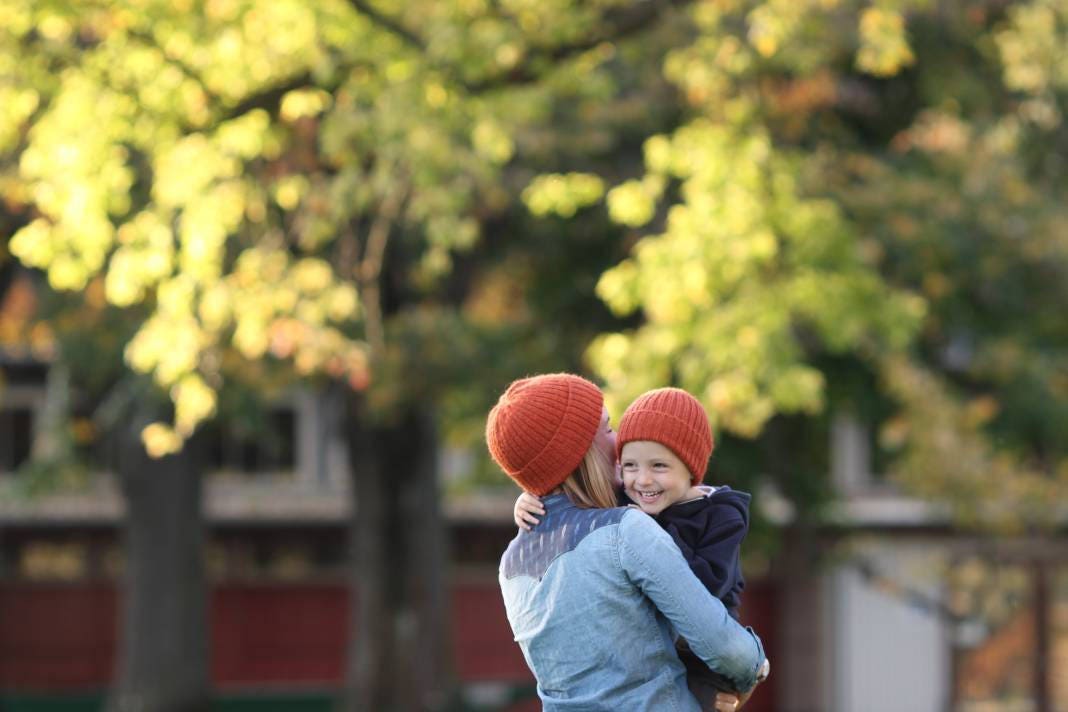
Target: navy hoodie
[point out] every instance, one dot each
(709, 532)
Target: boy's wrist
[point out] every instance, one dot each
(764, 671)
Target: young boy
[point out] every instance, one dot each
(663, 446)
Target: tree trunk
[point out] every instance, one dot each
(399, 649)
(162, 661)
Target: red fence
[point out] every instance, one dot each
(56, 636)
(62, 637)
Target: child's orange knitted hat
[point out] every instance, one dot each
(676, 420)
(541, 428)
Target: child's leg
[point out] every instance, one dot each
(703, 691)
(703, 683)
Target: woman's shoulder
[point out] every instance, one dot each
(634, 522)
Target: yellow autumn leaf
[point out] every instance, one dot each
(884, 47)
(492, 142)
(194, 401)
(160, 440)
(311, 275)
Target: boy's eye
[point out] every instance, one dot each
(629, 466)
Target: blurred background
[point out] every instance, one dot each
(266, 265)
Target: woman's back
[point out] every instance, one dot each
(591, 636)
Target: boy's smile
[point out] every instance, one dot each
(647, 498)
(654, 477)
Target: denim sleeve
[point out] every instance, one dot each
(653, 562)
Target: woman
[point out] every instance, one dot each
(584, 590)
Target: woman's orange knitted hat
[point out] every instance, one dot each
(541, 428)
(676, 420)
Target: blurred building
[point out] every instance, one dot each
(903, 612)
(277, 510)
(882, 607)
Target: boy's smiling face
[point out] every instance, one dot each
(653, 476)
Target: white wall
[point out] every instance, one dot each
(886, 654)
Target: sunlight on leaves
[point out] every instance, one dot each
(161, 440)
(563, 194)
(884, 48)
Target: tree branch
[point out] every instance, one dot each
(268, 98)
(150, 40)
(370, 268)
(617, 25)
(394, 26)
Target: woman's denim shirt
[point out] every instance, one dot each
(592, 596)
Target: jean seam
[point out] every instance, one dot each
(667, 589)
(668, 593)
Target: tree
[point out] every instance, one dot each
(976, 224)
(265, 202)
(863, 190)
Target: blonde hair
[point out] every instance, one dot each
(590, 485)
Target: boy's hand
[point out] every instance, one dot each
(527, 510)
(731, 702)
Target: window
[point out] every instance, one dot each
(16, 436)
(22, 395)
(264, 446)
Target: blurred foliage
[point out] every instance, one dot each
(279, 197)
(854, 189)
(744, 265)
(785, 207)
